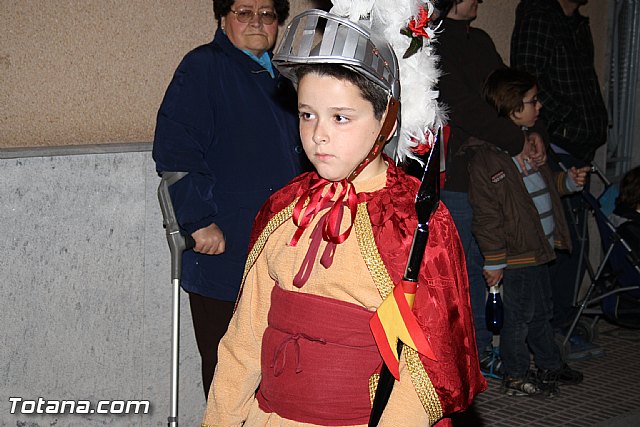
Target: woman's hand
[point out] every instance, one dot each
(209, 240)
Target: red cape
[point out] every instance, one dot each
(442, 298)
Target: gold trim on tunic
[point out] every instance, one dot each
(373, 386)
(276, 221)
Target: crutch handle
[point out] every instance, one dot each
(178, 242)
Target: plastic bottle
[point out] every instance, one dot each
(494, 313)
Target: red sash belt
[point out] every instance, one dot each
(318, 354)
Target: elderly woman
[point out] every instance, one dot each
(230, 121)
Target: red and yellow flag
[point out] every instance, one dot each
(395, 321)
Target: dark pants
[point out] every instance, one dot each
(462, 214)
(211, 318)
(568, 270)
(526, 294)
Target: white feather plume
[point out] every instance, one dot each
(352, 9)
(421, 115)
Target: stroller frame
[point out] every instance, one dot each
(607, 233)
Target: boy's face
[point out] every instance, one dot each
(337, 127)
(530, 111)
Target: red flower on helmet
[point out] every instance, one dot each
(416, 31)
(418, 24)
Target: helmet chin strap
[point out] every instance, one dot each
(383, 136)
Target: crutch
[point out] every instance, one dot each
(177, 245)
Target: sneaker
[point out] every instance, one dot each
(491, 364)
(563, 375)
(526, 386)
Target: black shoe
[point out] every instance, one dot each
(525, 386)
(563, 375)
(547, 383)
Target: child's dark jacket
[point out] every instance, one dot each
(506, 223)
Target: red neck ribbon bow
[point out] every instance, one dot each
(321, 195)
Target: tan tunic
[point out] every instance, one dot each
(232, 397)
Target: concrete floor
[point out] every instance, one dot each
(608, 397)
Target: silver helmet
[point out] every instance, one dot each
(319, 37)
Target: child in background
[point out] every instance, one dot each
(626, 215)
(299, 350)
(518, 221)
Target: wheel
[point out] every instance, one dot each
(586, 329)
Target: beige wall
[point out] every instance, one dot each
(94, 71)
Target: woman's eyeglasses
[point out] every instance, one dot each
(245, 16)
(532, 101)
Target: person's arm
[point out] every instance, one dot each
(468, 110)
(488, 218)
(183, 135)
(238, 372)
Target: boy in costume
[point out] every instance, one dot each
(328, 248)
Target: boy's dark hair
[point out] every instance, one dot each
(505, 88)
(375, 94)
(223, 7)
(630, 189)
